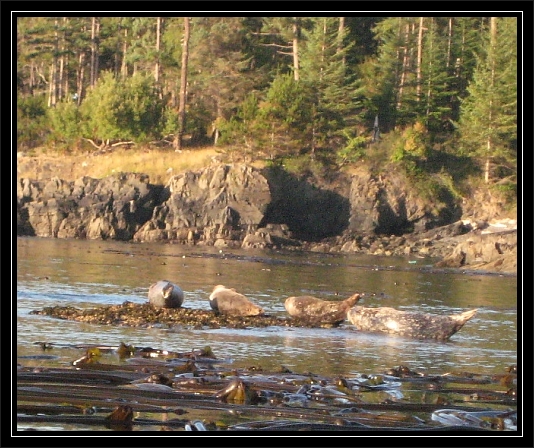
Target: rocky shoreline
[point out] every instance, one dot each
(238, 206)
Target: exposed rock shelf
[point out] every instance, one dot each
(239, 206)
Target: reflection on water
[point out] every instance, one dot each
(87, 274)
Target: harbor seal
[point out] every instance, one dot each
(318, 310)
(409, 324)
(164, 294)
(227, 301)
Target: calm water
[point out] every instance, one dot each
(87, 274)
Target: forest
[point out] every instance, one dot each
(432, 93)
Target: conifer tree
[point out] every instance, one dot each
(336, 95)
(488, 122)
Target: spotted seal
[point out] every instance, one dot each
(410, 324)
(164, 294)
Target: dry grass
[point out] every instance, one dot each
(158, 164)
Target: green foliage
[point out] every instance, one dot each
(447, 181)
(100, 109)
(434, 103)
(123, 110)
(32, 107)
(142, 109)
(303, 166)
(411, 148)
(337, 94)
(286, 102)
(245, 130)
(381, 72)
(220, 76)
(508, 190)
(32, 126)
(353, 150)
(488, 122)
(65, 121)
(283, 118)
(416, 141)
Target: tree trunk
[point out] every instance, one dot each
(323, 49)
(61, 78)
(491, 56)
(405, 62)
(419, 57)
(158, 38)
(80, 77)
(116, 55)
(296, 32)
(95, 30)
(429, 85)
(448, 64)
(341, 33)
(124, 67)
(183, 88)
(51, 87)
(52, 98)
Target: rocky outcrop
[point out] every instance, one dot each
(310, 211)
(219, 205)
(484, 250)
(386, 204)
(110, 208)
(236, 205)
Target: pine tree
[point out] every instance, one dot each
(436, 83)
(220, 75)
(488, 122)
(336, 95)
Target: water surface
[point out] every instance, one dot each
(88, 274)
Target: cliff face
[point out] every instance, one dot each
(387, 204)
(110, 208)
(236, 205)
(218, 205)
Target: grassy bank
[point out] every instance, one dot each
(158, 164)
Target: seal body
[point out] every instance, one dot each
(319, 311)
(229, 302)
(165, 294)
(408, 324)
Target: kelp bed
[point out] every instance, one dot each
(145, 315)
(155, 390)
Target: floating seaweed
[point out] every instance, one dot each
(149, 393)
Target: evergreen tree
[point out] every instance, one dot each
(284, 36)
(465, 44)
(382, 73)
(488, 122)
(220, 75)
(336, 95)
(286, 114)
(436, 83)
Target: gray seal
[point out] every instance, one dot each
(165, 294)
(409, 324)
